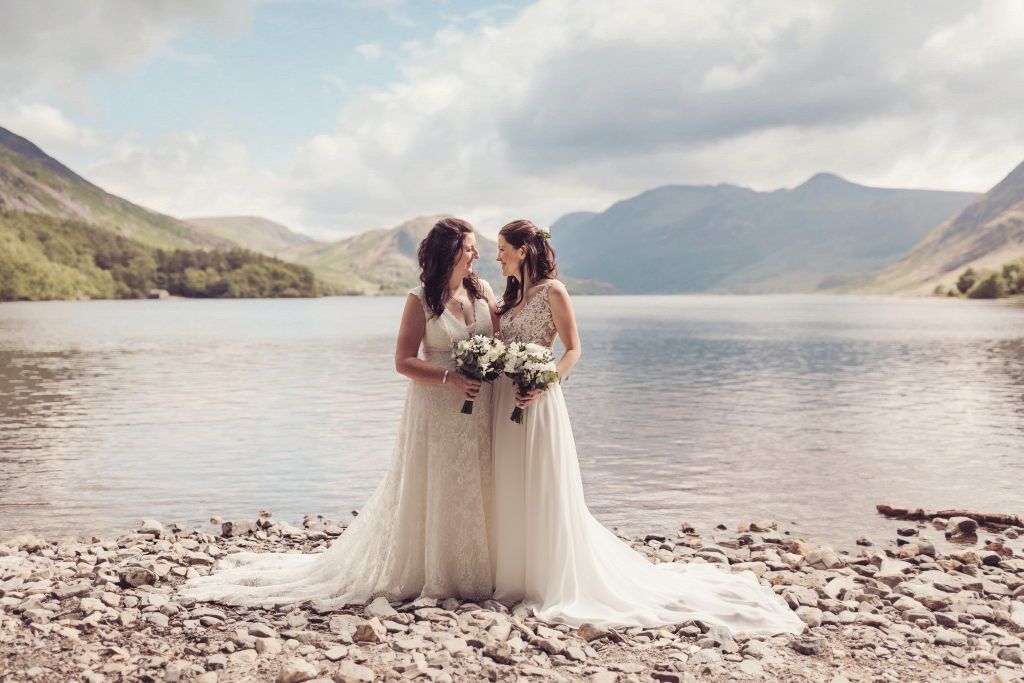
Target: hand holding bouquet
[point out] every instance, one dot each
(529, 366)
(481, 358)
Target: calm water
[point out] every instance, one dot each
(705, 409)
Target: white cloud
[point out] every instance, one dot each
(371, 52)
(51, 49)
(48, 127)
(575, 103)
(188, 174)
(572, 104)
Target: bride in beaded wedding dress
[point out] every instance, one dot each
(550, 551)
(426, 530)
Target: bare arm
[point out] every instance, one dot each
(565, 326)
(407, 360)
(492, 307)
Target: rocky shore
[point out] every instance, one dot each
(915, 607)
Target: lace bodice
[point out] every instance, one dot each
(444, 329)
(533, 323)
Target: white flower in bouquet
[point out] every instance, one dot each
(479, 357)
(529, 366)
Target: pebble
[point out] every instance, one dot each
(157, 619)
(751, 667)
(961, 526)
(295, 670)
(590, 633)
(706, 656)
(243, 658)
(134, 577)
(380, 608)
(945, 636)
(101, 610)
(809, 615)
(370, 631)
(268, 646)
(823, 558)
(815, 645)
(350, 672)
(500, 652)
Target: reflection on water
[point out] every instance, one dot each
(708, 409)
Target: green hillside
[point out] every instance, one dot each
(47, 257)
(32, 181)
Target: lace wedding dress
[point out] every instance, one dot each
(426, 529)
(552, 554)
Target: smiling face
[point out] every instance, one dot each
(464, 264)
(510, 258)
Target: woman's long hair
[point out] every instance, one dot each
(437, 254)
(539, 262)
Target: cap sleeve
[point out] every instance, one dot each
(418, 293)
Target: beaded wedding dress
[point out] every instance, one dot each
(426, 529)
(552, 554)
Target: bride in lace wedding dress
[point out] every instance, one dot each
(550, 551)
(426, 530)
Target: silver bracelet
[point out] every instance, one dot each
(444, 379)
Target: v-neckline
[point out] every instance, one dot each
(515, 316)
(461, 321)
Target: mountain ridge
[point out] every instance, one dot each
(35, 182)
(730, 239)
(984, 235)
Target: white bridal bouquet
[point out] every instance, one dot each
(529, 366)
(479, 357)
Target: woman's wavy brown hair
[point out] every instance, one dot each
(539, 262)
(437, 254)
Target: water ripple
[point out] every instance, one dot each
(809, 409)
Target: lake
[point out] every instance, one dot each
(805, 409)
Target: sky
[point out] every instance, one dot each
(337, 116)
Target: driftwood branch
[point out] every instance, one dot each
(995, 519)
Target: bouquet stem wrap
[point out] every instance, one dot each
(480, 357)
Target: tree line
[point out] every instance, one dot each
(44, 257)
(1008, 281)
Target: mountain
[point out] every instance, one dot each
(61, 237)
(724, 238)
(252, 232)
(378, 262)
(381, 261)
(34, 182)
(985, 235)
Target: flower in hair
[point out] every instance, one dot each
(544, 232)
